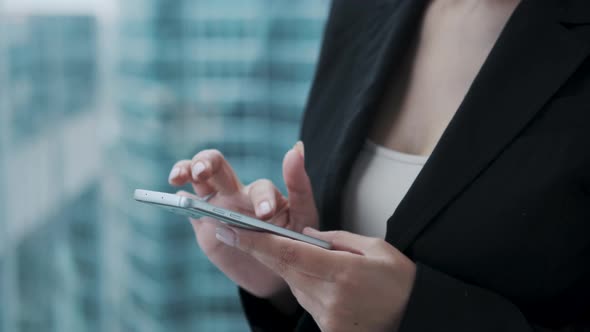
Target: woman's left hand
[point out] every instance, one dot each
(362, 284)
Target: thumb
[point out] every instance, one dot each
(351, 242)
(302, 209)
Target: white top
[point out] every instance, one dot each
(379, 180)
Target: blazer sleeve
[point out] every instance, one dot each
(442, 303)
(263, 317)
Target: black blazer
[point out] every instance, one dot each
(498, 221)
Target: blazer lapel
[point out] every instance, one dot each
(533, 57)
(389, 31)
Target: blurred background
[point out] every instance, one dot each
(99, 97)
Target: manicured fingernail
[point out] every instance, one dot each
(174, 173)
(198, 168)
(264, 208)
(300, 148)
(226, 236)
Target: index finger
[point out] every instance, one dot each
(285, 256)
(181, 174)
(210, 166)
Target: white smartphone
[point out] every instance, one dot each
(197, 209)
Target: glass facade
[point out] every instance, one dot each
(48, 255)
(189, 74)
(49, 56)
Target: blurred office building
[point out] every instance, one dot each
(49, 173)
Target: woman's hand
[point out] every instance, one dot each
(363, 284)
(210, 173)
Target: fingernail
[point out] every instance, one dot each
(198, 168)
(310, 230)
(300, 148)
(226, 236)
(174, 173)
(264, 208)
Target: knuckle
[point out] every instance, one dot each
(261, 188)
(266, 183)
(199, 155)
(263, 185)
(211, 155)
(214, 155)
(339, 235)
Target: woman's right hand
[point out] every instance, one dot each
(210, 173)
